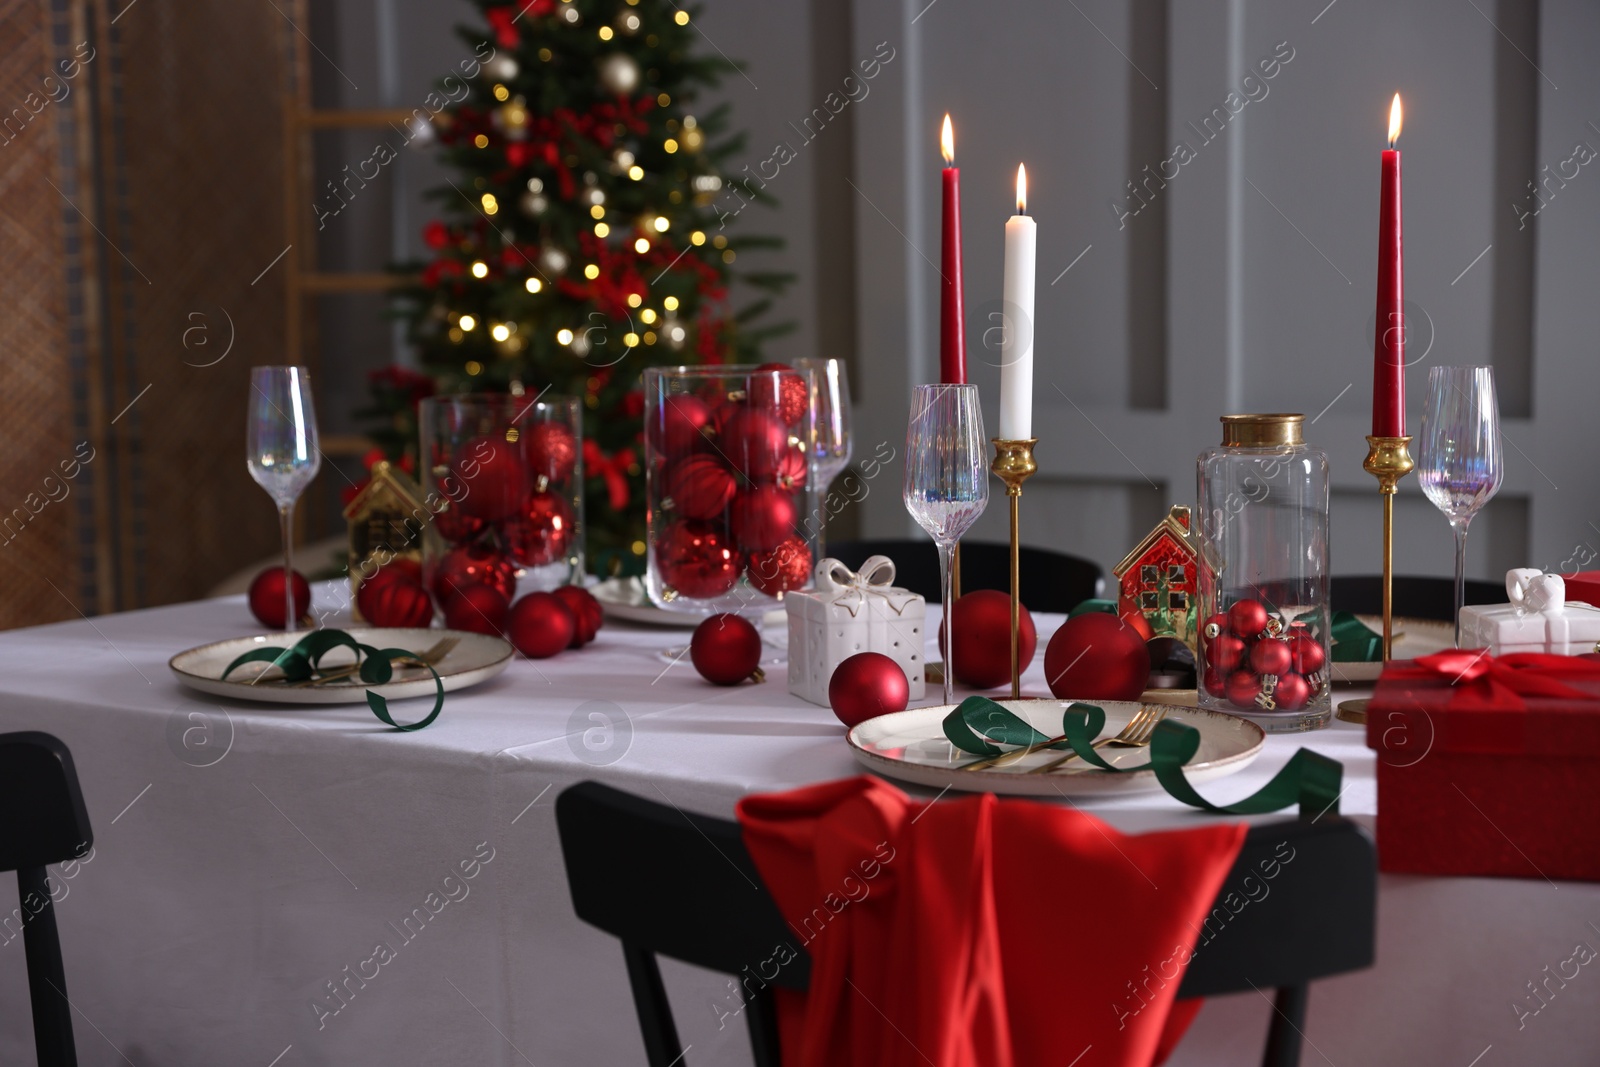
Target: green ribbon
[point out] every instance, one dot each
(303, 661)
(1353, 640)
(1309, 778)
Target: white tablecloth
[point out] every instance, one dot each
(248, 858)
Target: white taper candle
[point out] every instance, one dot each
(1016, 348)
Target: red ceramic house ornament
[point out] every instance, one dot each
(1157, 583)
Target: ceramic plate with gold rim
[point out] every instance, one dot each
(475, 658)
(911, 746)
(1413, 638)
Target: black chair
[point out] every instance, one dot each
(1414, 598)
(672, 883)
(1054, 581)
(42, 821)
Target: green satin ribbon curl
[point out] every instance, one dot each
(302, 660)
(1353, 640)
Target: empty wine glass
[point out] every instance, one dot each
(1459, 459)
(281, 451)
(947, 479)
(830, 398)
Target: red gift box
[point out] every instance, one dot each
(1584, 586)
(1488, 765)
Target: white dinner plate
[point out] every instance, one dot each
(475, 658)
(627, 599)
(911, 746)
(1413, 638)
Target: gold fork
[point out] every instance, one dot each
(430, 658)
(1006, 758)
(1136, 734)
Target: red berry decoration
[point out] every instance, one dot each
(867, 685)
(1270, 655)
(725, 649)
(1225, 652)
(982, 652)
(675, 430)
(551, 451)
(782, 392)
(1293, 692)
(540, 625)
(587, 614)
(699, 487)
(698, 560)
(754, 443)
(494, 480)
(792, 468)
(1306, 652)
(1247, 618)
(783, 568)
(266, 597)
(1242, 688)
(763, 518)
(467, 565)
(395, 602)
(1096, 656)
(478, 608)
(543, 532)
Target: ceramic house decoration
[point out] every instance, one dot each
(850, 612)
(1538, 619)
(1157, 583)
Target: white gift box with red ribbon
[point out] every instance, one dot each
(850, 612)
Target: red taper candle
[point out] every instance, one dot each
(952, 318)
(1389, 341)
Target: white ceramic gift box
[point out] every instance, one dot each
(848, 613)
(1538, 619)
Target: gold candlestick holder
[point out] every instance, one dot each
(1013, 463)
(1388, 460)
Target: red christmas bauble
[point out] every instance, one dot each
(1292, 693)
(395, 602)
(1306, 652)
(493, 477)
(782, 392)
(551, 451)
(1270, 655)
(477, 608)
(1247, 618)
(543, 532)
(867, 685)
(467, 565)
(1225, 652)
(699, 487)
(1242, 688)
(763, 518)
(754, 443)
(698, 560)
(725, 649)
(1215, 625)
(792, 468)
(540, 625)
(1216, 682)
(455, 525)
(783, 568)
(982, 650)
(266, 597)
(395, 568)
(586, 613)
(1096, 656)
(723, 414)
(675, 429)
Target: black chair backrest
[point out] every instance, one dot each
(42, 821)
(1414, 598)
(670, 882)
(1055, 581)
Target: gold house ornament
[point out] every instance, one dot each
(388, 520)
(1157, 583)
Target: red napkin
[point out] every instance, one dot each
(977, 932)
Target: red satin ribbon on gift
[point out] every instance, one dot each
(1498, 683)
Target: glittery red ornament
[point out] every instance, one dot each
(783, 568)
(455, 525)
(477, 608)
(698, 487)
(540, 625)
(866, 685)
(1247, 618)
(493, 477)
(1096, 656)
(1243, 688)
(1306, 652)
(792, 468)
(698, 560)
(543, 532)
(551, 451)
(1270, 655)
(754, 443)
(675, 425)
(266, 597)
(587, 614)
(783, 392)
(395, 602)
(467, 565)
(763, 518)
(1225, 652)
(725, 649)
(982, 651)
(1293, 692)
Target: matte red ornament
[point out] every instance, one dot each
(1292, 693)
(699, 487)
(395, 568)
(543, 532)
(1225, 652)
(395, 602)
(723, 414)
(1247, 618)
(540, 625)
(1243, 688)
(266, 597)
(455, 525)
(792, 468)
(1216, 682)
(754, 443)
(477, 608)
(1215, 625)
(783, 392)
(783, 568)
(587, 614)
(467, 565)
(763, 518)
(866, 685)
(551, 451)
(1270, 655)
(698, 560)
(675, 430)
(1306, 652)
(982, 651)
(493, 477)
(1096, 656)
(725, 649)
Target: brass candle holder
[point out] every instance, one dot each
(1388, 460)
(1013, 463)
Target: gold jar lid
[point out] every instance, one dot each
(1262, 431)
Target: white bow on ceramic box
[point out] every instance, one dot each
(1538, 619)
(850, 612)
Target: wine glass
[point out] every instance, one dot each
(947, 480)
(830, 441)
(1459, 459)
(281, 451)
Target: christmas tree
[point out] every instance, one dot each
(582, 240)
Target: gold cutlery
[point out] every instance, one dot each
(1136, 734)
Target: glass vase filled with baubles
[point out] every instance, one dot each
(504, 477)
(733, 520)
(1262, 537)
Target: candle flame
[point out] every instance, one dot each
(1394, 120)
(947, 142)
(1022, 189)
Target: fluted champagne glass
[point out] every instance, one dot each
(281, 452)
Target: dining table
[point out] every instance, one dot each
(275, 885)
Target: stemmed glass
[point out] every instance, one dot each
(281, 451)
(947, 480)
(830, 442)
(1459, 459)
